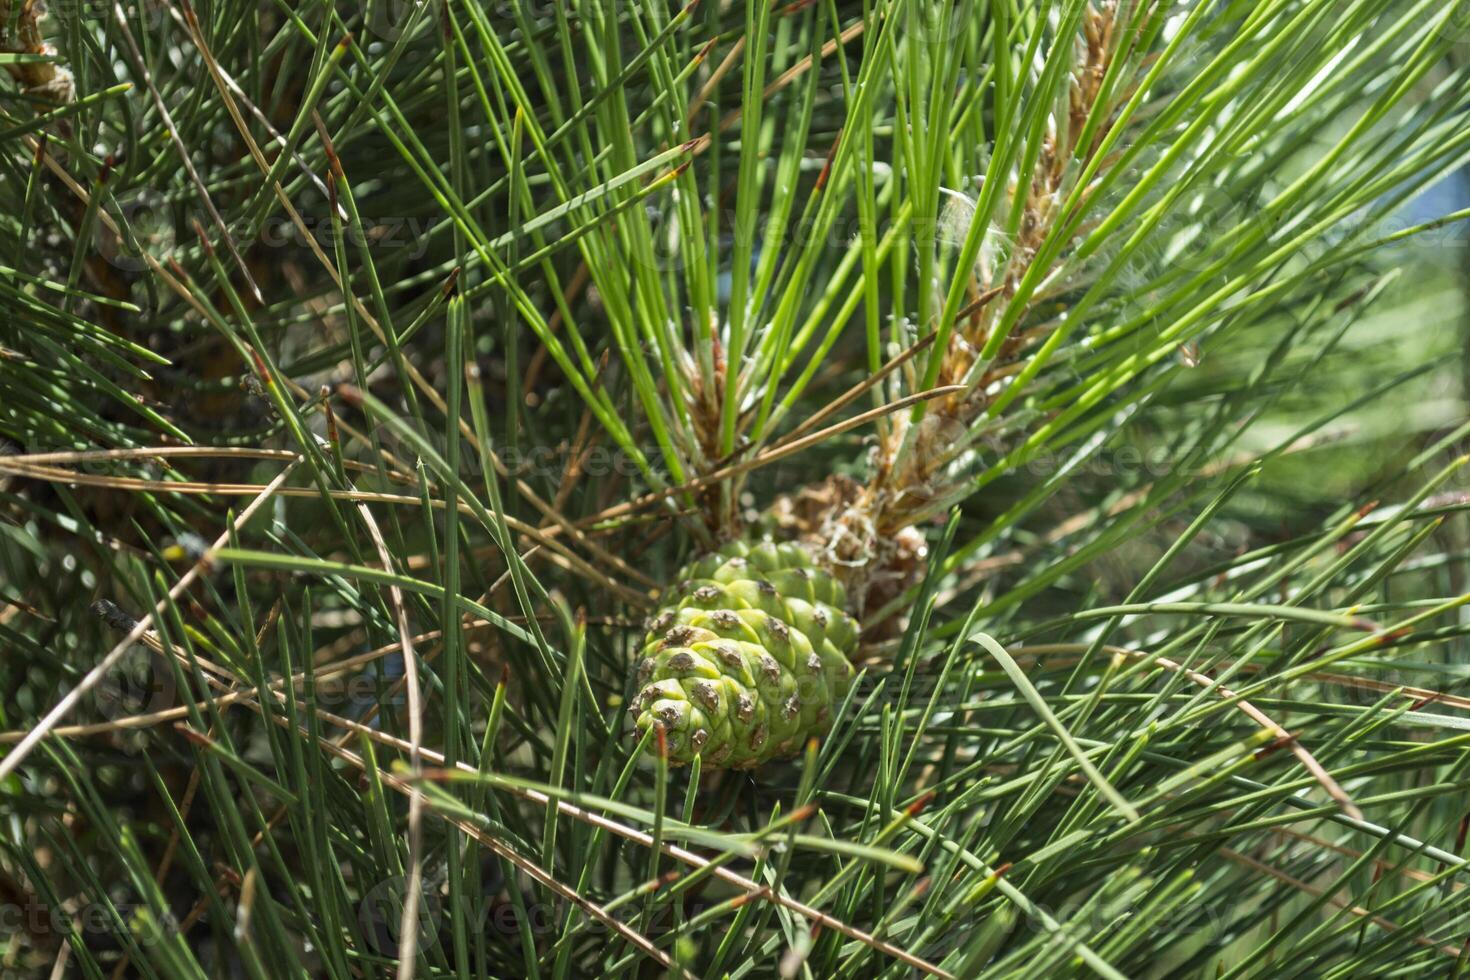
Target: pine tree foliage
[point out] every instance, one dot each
(424, 423)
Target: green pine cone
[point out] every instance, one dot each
(747, 657)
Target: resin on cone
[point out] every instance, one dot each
(747, 657)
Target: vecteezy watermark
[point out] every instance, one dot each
(149, 15)
(410, 234)
(141, 684)
(152, 225)
(156, 227)
(667, 246)
(939, 445)
(935, 24)
(417, 21)
(88, 920)
(380, 915)
(1197, 230)
(1109, 462)
(1200, 229)
(1455, 26)
(1187, 920)
(598, 462)
(1184, 923)
(400, 20)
